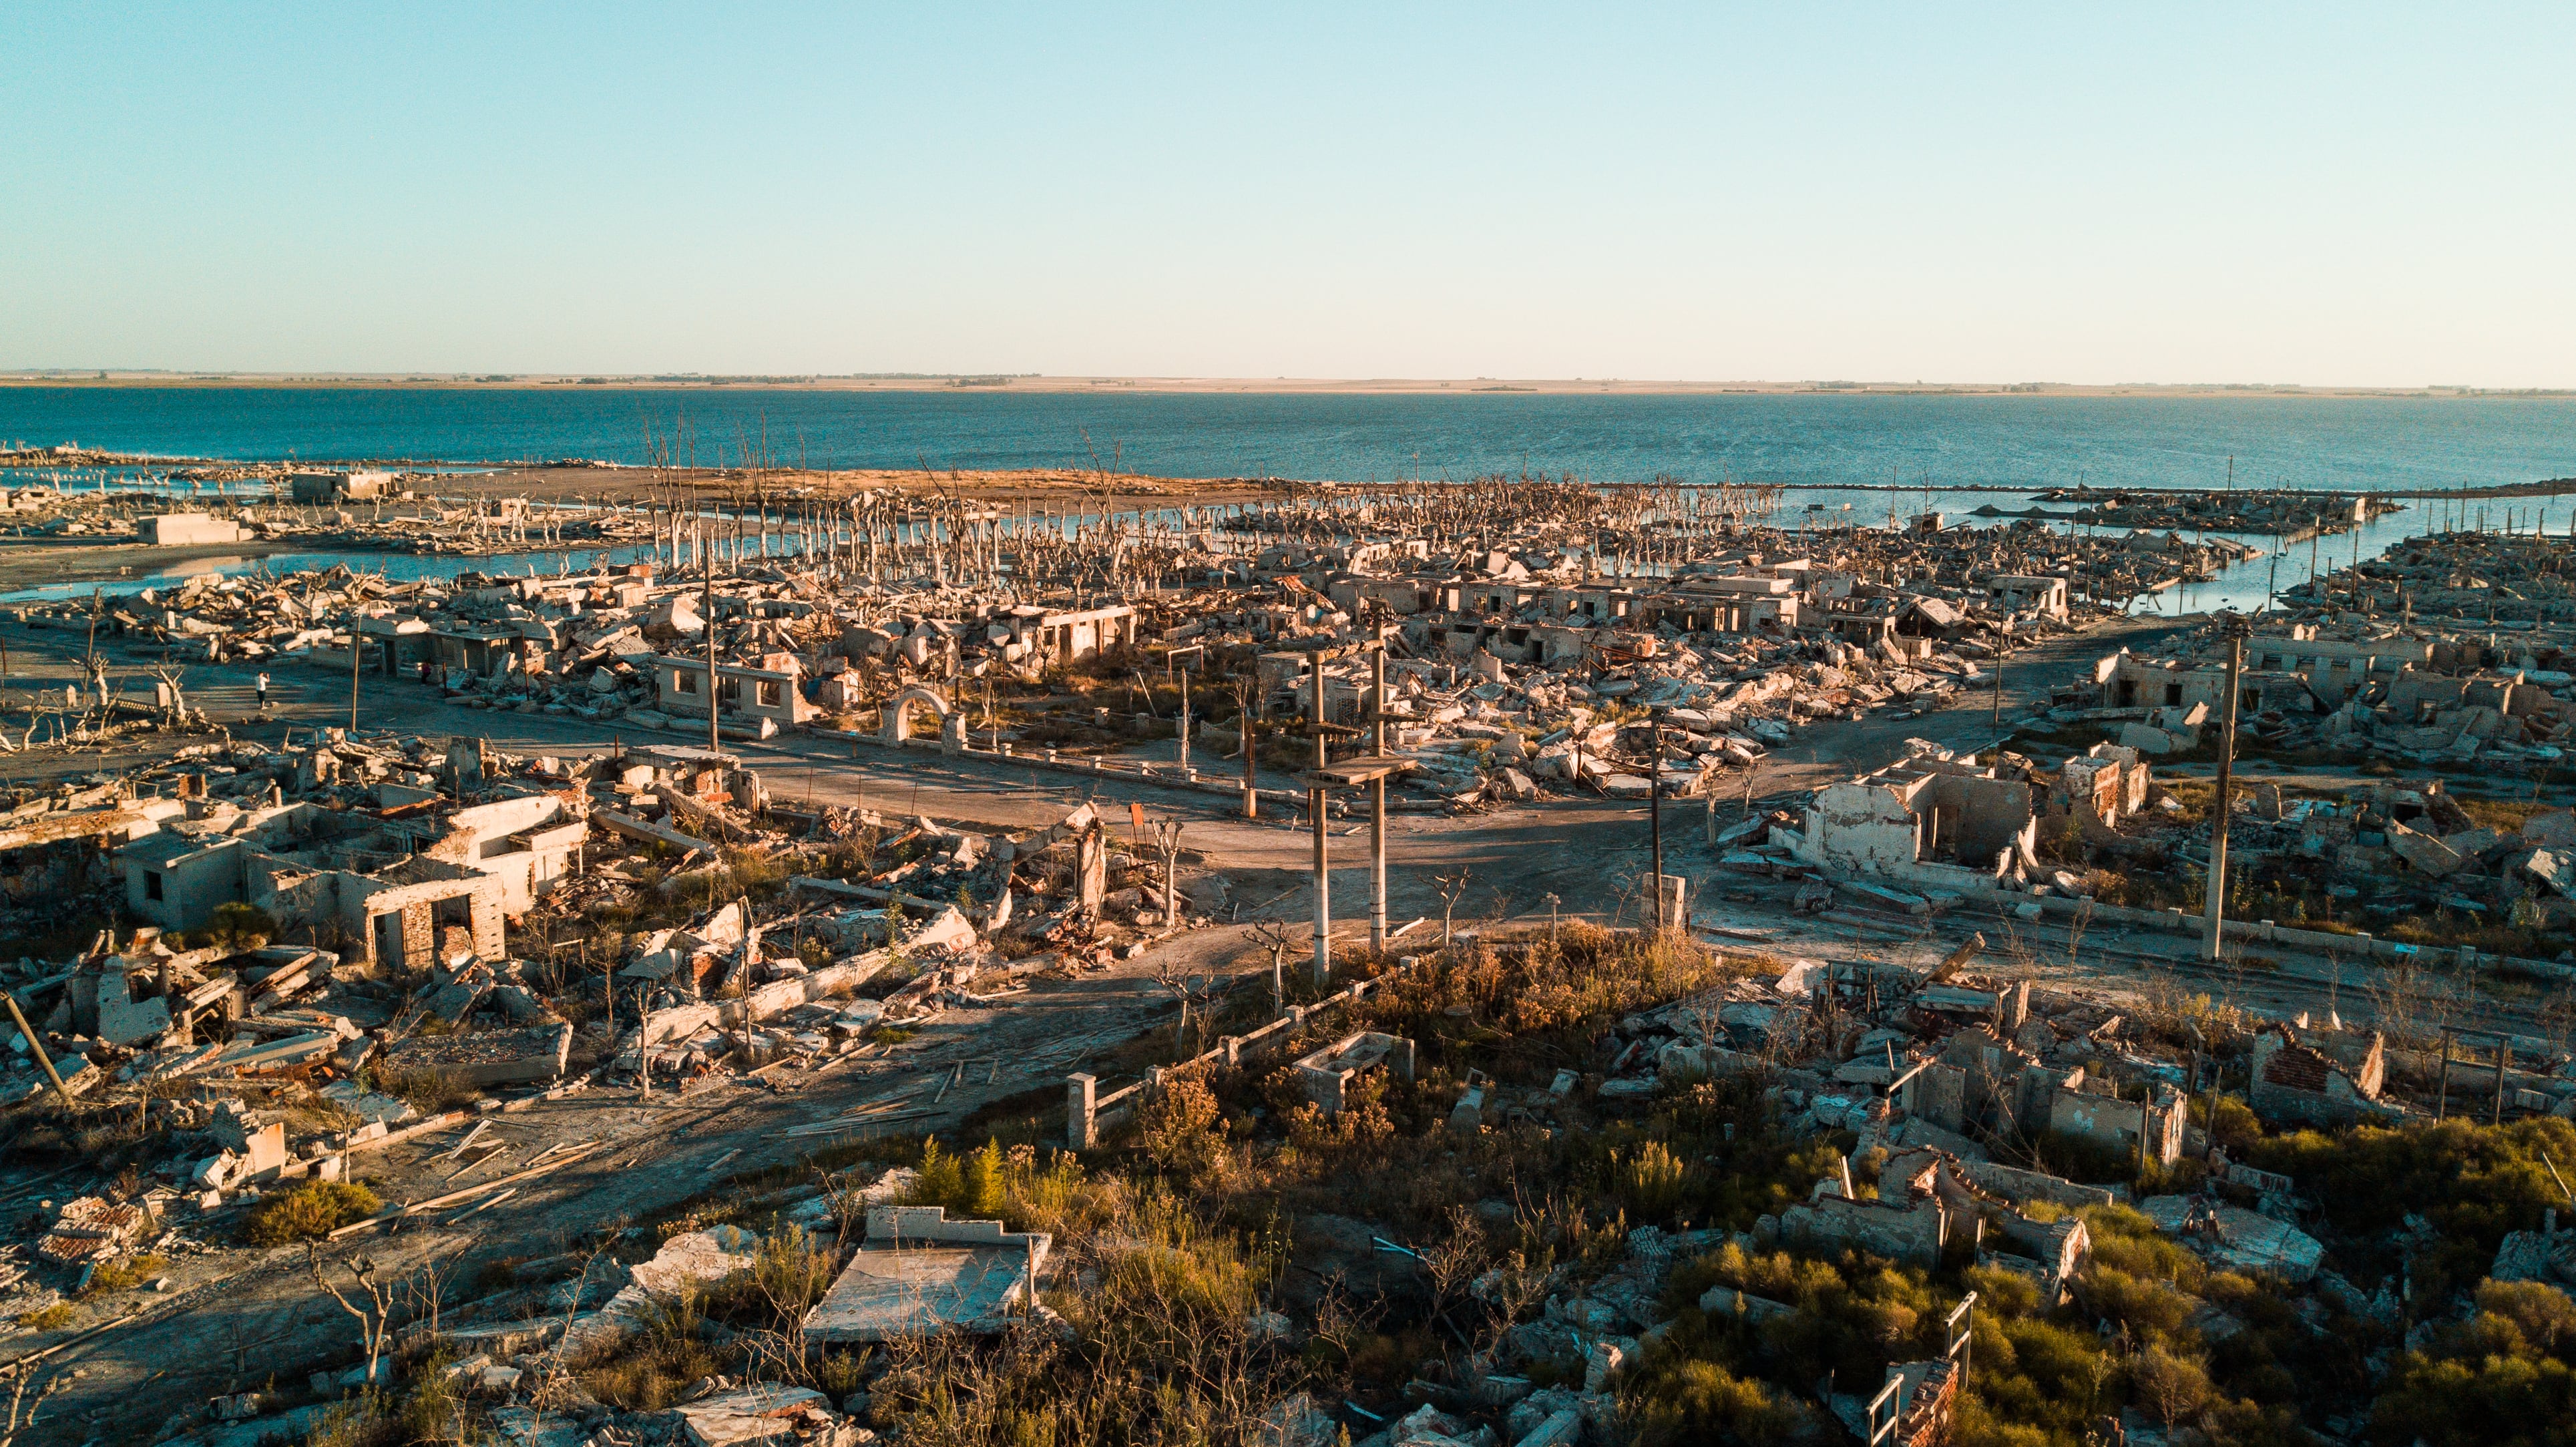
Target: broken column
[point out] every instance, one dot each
(1081, 1112)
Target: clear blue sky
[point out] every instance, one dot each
(2343, 194)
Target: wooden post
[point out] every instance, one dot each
(1249, 723)
(1377, 806)
(2503, 1062)
(2216, 884)
(715, 743)
(1655, 815)
(36, 1047)
(1316, 800)
(2442, 1095)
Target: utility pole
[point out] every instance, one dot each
(1655, 817)
(36, 1047)
(1249, 721)
(357, 646)
(1315, 801)
(2217, 883)
(715, 744)
(2442, 1100)
(1377, 802)
(2504, 1062)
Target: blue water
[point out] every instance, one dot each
(1817, 440)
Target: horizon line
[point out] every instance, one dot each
(1062, 383)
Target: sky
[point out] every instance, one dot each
(2337, 195)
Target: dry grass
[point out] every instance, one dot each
(651, 1371)
(122, 1273)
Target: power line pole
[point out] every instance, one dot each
(1316, 799)
(1377, 801)
(715, 744)
(2217, 884)
(1655, 816)
(357, 645)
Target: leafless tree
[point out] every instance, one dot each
(375, 1316)
(1450, 1263)
(555, 1387)
(22, 1412)
(1453, 888)
(1174, 980)
(424, 1290)
(169, 678)
(1273, 936)
(1167, 846)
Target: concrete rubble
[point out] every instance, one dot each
(1528, 627)
(339, 952)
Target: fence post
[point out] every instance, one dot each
(1233, 1047)
(1081, 1132)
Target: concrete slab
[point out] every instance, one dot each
(920, 1274)
(761, 1412)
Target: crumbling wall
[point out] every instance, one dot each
(177, 886)
(1909, 1233)
(365, 900)
(2295, 1084)
(2061, 1246)
(1989, 815)
(1862, 827)
(2119, 1124)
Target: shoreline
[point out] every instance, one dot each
(966, 383)
(791, 486)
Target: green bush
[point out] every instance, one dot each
(1700, 1401)
(2474, 1183)
(309, 1212)
(236, 926)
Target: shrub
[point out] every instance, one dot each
(118, 1275)
(1652, 1181)
(2173, 1389)
(2543, 1317)
(428, 1091)
(309, 1212)
(1700, 1401)
(943, 1179)
(238, 926)
(1179, 1126)
(788, 1274)
(2473, 1182)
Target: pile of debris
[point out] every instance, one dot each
(1526, 626)
(2421, 695)
(2286, 514)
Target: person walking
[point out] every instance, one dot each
(263, 693)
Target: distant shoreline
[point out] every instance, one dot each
(1276, 386)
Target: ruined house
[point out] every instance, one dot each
(764, 696)
(1930, 821)
(2298, 1083)
(2106, 782)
